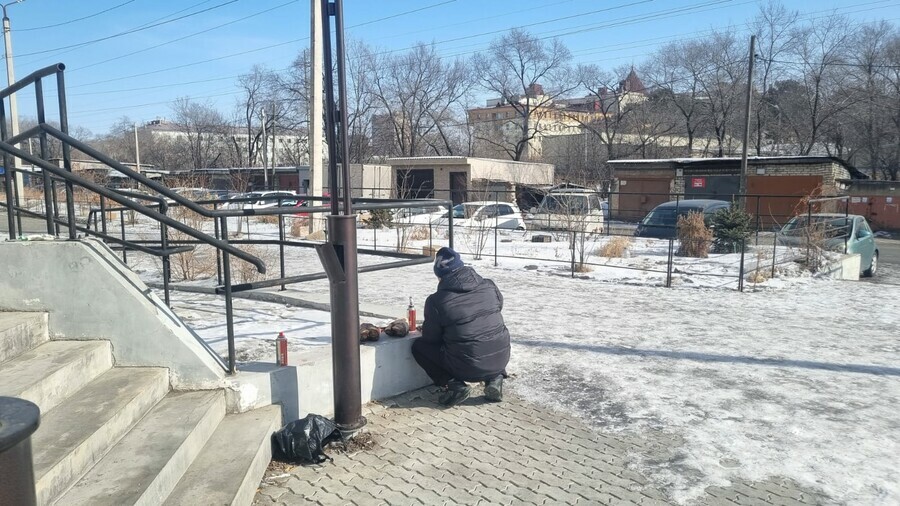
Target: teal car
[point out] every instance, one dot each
(837, 232)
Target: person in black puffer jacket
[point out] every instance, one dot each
(464, 338)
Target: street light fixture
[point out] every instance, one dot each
(11, 78)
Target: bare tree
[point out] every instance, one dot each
(416, 93)
(611, 104)
(821, 54)
(723, 82)
(777, 37)
(527, 74)
(203, 129)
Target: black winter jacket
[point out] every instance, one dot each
(464, 316)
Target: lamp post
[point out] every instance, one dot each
(13, 109)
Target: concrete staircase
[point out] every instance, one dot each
(118, 435)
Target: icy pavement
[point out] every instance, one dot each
(799, 383)
(802, 383)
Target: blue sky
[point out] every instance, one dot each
(139, 74)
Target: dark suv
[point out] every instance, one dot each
(662, 221)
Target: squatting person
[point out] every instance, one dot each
(464, 338)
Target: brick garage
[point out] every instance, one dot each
(777, 183)
(878, 201)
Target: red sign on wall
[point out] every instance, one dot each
(698, 182)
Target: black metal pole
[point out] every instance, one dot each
(66, 150)
(344, 288)
(218, 251)
(122, 227)
(164, 244)
(741, 271)
(229, 309)
(774, 252)
(8, 176)
(42, 141)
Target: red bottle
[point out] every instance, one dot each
(411, 316)
(281, 356)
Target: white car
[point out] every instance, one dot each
(570, 209)
(267, 199)
(419, 215)
(484, 215)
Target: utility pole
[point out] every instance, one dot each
(315, 111)
(265, 149)
(274, 149)
(13, 108)
(743, 186)
(137, 152)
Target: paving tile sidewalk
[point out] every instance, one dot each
(482, 453)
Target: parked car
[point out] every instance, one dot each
(570, 209)
(835, 232)
(266, 199)
(480, 215)
(662, 221)
(419, 215)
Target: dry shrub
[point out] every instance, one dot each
(299, 227)
(583, 268)
(759, 276)
(418, 234)
(616, 247)
(245, 271)
(318, 235)
(197, 263)
(270, 219)
(694, 236)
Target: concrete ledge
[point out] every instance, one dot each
(847, 268)
(305, 386)
(90, 294)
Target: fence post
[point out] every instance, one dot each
(164, 243)
(572, 249)
(669, 262)
(774, 252)
(808, 230)
(280, 236)
(496, 225)
(229, 309)
(758, 224)
(741, 271)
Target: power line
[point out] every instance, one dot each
(831, 64)
(89, 16)
(128, 32)
(172, 41)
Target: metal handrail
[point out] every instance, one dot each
(129, 204)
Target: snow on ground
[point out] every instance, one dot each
(797, 379)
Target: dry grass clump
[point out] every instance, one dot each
(583, 268)
(270, 219)
(616, 247)
(245, 271)
(694, 236)
(418, 233)
(759, 276)
(298, 227)
(318, 235)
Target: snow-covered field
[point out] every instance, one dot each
(798, 378)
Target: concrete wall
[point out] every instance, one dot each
(387, 369)
(847, 268)
(513, 172)
(90, 294)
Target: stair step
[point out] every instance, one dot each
(147, 463)
(46, 375)
(77, 433)
(20, 332)
(232, 463)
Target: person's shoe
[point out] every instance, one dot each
(457, 392)
(493, 389)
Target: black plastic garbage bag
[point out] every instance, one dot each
(304, 440)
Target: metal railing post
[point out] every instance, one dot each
(122, 228)
(164, 244)
(102, 214)
(42, 141)
(67, 152)
(229, 309)
(280, 238)
(218, 252)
